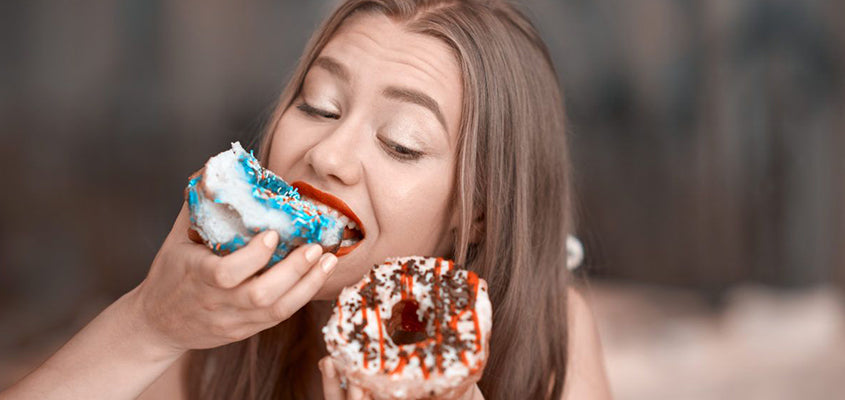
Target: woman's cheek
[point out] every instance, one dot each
(291, 146)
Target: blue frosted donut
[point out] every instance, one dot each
(233, 198)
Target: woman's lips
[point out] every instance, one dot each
(310, 191)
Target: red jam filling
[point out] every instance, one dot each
(405, 326)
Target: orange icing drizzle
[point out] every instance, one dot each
(438, 359)
(404, 361)
(380, 337)
(407, 283)
(364, 314)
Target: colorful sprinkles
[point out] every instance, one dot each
(271, 192)
(417, 322)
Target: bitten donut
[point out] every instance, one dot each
(233, 198)
(413, 327)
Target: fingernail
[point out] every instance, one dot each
(270, 239)
(328, 262)
(313, 252)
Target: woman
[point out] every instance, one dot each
(440, 123)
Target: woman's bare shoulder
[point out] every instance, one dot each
(585, 377)
(171, 384)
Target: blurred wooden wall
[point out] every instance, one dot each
(708, 138)
(707, 135)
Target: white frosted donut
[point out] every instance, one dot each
(413, 327)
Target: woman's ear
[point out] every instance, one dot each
(446, 248)
(477, 228)
(476, 231)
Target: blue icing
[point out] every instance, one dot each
(272, 192)
(193, 197)
(267, 186)
(280, 253)
(225, 248)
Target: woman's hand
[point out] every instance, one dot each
(190, 299)
(332, 389)
(194, 299)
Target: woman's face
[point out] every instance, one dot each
(376, 125)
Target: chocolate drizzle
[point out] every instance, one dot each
(432, 334)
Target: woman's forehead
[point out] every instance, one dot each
(373, 49)
(377, 32)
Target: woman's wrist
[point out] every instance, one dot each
(132, 319)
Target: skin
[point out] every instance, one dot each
(390, 160)
(357, 145)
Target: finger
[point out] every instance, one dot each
(473, 393)
(356, 393)
(264, 290)
(476, 393)
(194, 255)
(304, 290)
(331, 380)
(230, 270)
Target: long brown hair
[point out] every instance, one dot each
(512, 187)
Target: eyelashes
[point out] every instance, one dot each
(400, 152)
(316, 112)
(393, 149)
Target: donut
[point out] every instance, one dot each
(233, 198)
(413, 327)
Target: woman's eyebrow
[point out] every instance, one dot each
(333, 67)
(415, 97)
(408, 95)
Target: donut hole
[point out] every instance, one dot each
(405, 326)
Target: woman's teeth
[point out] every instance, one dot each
(346, 221)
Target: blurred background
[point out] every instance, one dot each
(708, 139)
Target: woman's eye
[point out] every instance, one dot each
(400, 152)
(316, 112)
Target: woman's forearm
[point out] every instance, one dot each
(113, 357)
(190, 299)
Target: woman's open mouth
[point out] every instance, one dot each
(328, 204)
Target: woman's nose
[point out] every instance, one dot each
(337, 155)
